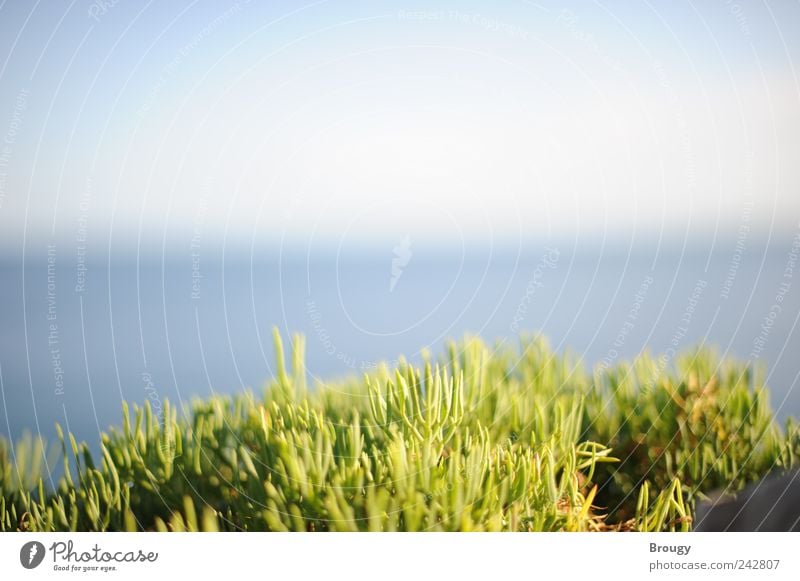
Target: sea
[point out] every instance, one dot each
(80, 332)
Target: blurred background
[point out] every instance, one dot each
(178, 178)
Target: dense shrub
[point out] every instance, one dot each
(495, 438)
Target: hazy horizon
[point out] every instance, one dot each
(339, 121)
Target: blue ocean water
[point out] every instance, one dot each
(78, 334)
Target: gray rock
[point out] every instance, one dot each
(773, 504)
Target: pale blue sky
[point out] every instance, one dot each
(373, 121)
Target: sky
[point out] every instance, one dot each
(140, 125)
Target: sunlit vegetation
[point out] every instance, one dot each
(482, 438)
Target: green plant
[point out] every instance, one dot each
(491, 438)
